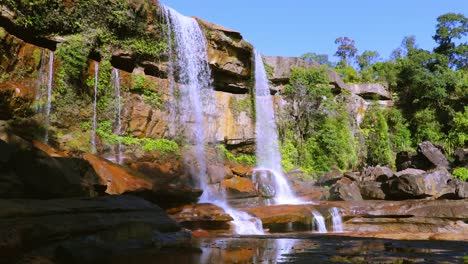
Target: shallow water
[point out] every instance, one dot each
(316, 249)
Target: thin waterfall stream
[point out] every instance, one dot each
(118, 128)
(49, 96)
(93, 133)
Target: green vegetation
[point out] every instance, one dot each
(245, 159)
(238, 106)
(315, 130)
(377, 136)
(149, 91)
(461, 173)
(162, 146)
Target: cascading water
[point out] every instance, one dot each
(336, 220)
(118, 129)
(319, 221)
(96, 79)
(268, 154)
(189, 60)
(49, 96)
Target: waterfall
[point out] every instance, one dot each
(336, 219)
(41, 82)
(319, 221)
(194, 81)
(118, 129)
(49, 96)
(96, 79)
(268, 154)
(195, 104)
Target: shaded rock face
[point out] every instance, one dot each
(427, 157)
(433, 154)
(345, 190)
(94, 229)
(369, 90)
(28, 172)
(435, 183)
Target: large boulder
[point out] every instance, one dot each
(371, 190)
(433, 154)
(345, 190)
(85, 230)
(377, 173)
(239, 187)
(433, 183)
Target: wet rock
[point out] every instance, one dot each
(372, 190)
(345, 189)
(201, 216)
(434, 184)
(239, 187)
(217, 172)
(242, 171)
(432, 154)
(122, 222)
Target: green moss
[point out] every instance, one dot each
(238, 106)
(245, 159)
(461, 173)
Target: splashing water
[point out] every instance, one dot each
(336, 219)
(268, 154)
(118, 129)
(49, 96)
(96, 79)
(319, 221)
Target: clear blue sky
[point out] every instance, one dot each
(294, 27)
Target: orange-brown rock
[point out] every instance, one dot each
(282, 214)
(242, 171)
(239, 187)
(201, 216)
(117, 178)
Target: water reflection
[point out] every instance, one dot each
(316, 249)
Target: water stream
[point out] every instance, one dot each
(96, 79)
(268, 154)
(336, 220)
(49, 96)
(319, 222)
(118, 128)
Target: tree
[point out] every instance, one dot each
(450, 27)
(319, 58)
(346, 50)
(367, 59)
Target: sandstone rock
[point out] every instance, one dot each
(107, 224)
(217, 172)
(372, 190)
(201, 216)
(117, 178)
(369, 90)
(461, 157)
(229, 56)
(281, 67)
(239, 187)
(346, 190)
(434, 183)
(433, 154)
(242, 171)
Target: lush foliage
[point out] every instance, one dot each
(375, 129)
(461, 173)
(245, 159)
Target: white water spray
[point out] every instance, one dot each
(118, 129)
(336, 219)
(96, 79)
(268, 154)
(49, 96)
(319, 221)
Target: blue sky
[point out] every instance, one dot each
(294, 27)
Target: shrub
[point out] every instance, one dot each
(461, 173)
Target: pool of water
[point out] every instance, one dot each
(315, 249)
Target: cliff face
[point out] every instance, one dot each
(131, 37)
